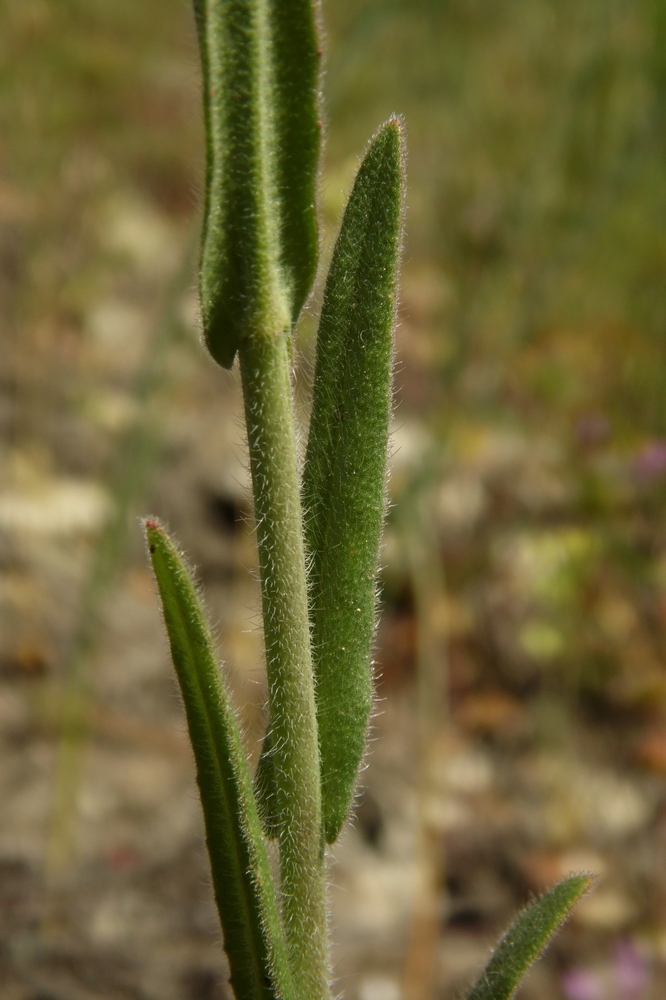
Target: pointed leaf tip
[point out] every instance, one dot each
(244, 889)
(527, 938)
(345, 465)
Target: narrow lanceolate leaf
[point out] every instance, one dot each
(265, 789)
(526, 939)
(345, 466)
(243, 887)
(259, 243)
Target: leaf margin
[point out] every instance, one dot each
(502, 975)
(253, 937)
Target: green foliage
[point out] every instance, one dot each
(526, 939)
(265, 364)
(259, 242)
(264, 788)
(345, 466)
(243, 886)
(259, 249)
(345, 473)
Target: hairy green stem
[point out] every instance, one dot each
(265, 362)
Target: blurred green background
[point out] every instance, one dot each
(523, 637)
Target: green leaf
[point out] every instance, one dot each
(526, 939)
(259, 243)
(264, 789)
(345, 466)
(242, 881)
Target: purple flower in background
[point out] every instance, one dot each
(632, 974)
(627, 977)
(582, 984)
(649, 462)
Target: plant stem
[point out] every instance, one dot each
(265, 363)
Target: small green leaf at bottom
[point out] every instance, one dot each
(527, 938)
(244, 890)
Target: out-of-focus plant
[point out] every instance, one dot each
(318, 528)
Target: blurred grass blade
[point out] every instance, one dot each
(259, 243)
(243, 886)
(526, 939)
(345, 465)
